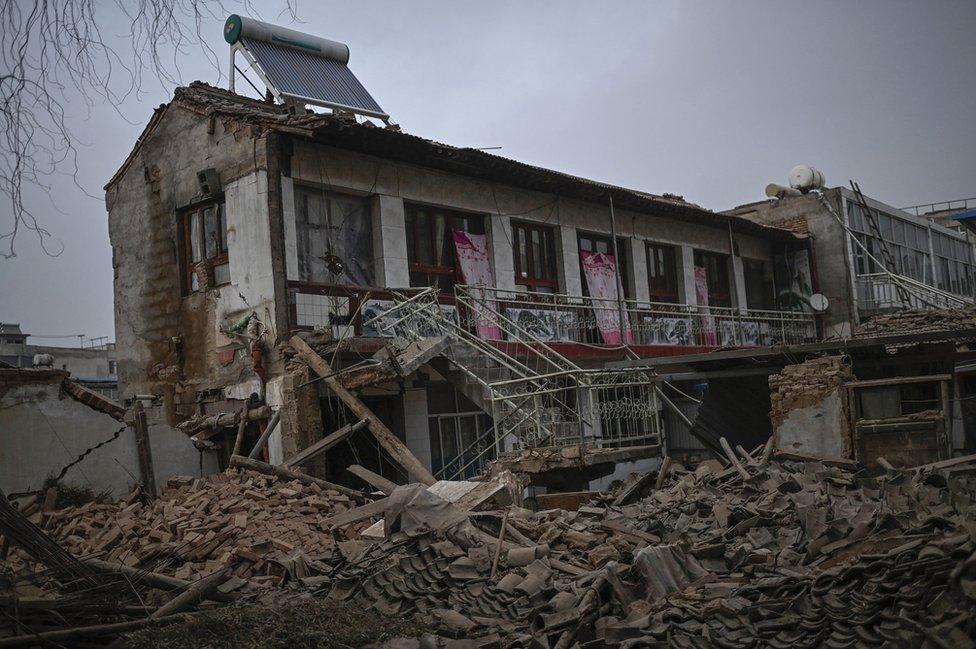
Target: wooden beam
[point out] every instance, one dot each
(393, 446)
(240, 462)
(372, 479)
(205, 425)
(241, 425)
(356, 514)
(197, 592)
(629, 492)
(323, 444)
(662, 473)
(733, 459)
(146, 472)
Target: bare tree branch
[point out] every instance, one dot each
(55, 55)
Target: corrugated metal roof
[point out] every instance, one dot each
(303, 75)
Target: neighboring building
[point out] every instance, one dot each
(902, 260)
(945, 213)
(316, 221)
(94, 367)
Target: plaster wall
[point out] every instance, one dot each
(819, 429)
(43, 430)
(165, 340)
(350, 172)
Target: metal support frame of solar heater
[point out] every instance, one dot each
(281, 97)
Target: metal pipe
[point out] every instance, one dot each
(616, 272)
(256, 451)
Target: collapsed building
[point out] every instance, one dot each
(309, 222)
(517, 407)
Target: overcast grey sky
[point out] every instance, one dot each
(710, 100)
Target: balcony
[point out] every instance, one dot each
(879, 292)
(604, 324)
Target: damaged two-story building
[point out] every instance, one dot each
(236, 222)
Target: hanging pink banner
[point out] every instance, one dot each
(472, 256)
(601, 280)
(701, 293)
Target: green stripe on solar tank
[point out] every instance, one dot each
(294, 43)
(232, 28)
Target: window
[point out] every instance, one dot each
(759, 292)
(334, 235)
(603, 245)
(459, 432)
(204, 231)
(717, 274)
(662, 273)
(535, 256)
(430, 246)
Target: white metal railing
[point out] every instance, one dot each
(598, 408)
(545, 318)
(517, 419)
(884, 291)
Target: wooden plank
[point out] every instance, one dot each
(629, 492)
(205, 425)
(945, 464)
(393, 446)
(617, 526)
(324, 444)
(898, 380)
(197, 592)
(356, 514)
(733, 459)
(662, 473)
(240, 462)
(370, 478)
(146, 472)
(242, 424)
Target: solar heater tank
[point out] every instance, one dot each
(805, 178)
(238, 27)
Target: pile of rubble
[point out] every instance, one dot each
(918, 321)
(774, 550)
(246, 519)
(804, 384)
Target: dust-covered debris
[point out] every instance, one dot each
(784, 550)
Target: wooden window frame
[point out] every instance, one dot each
(547, 235)
(751, 265)
(657, 294)
(222, 257)
(453, 272)
(715, 296)
(622, 264)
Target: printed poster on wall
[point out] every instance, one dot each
(667, 331)
(601, 280)
(472, 256)
(701, 294)
(381, 325)
(546, 325)
(794, 280)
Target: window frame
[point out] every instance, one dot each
(658, 294)
(222, 256)
(412, 228)
(753, 269)
(547, 234)
(623, 263)
(722, 261)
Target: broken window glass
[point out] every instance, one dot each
(204, 234)
(334, 237)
